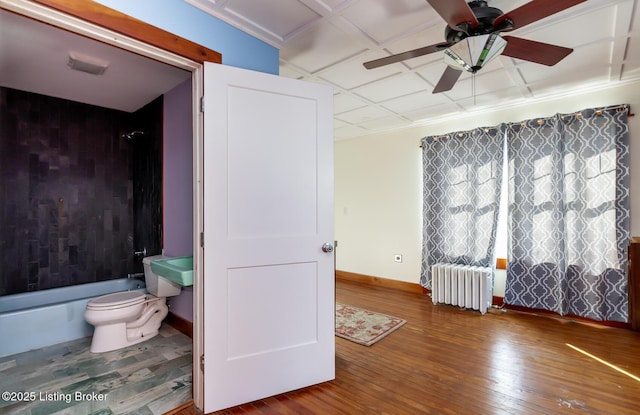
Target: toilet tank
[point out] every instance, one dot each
(157, 285)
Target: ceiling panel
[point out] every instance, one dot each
(291, 72)
(632, 60)
(579, 65)
(414, 101)
(431, 112)
(405, 14)
(586, 27)
(390, 122)
(345, 102)
(392, 87)
(361, 115)
(326, 41)
(349, 76)
(334, 4)
(280, 17)
(321, 46)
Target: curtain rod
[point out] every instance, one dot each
(578, 114)
(599, 112)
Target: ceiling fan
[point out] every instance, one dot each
(474, 28)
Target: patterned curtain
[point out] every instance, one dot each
(462, 184)
(569, 214)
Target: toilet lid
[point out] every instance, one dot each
(124, 298)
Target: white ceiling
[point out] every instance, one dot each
(34, 55)
(326, 41)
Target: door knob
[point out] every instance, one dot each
(327, 247)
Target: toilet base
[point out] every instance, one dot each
(109, 337)
(104, 341)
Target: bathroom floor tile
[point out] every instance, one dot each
(152, 377)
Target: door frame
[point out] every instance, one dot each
(101, 23)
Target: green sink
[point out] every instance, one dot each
(178, 269)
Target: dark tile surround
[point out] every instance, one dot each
(67, 185)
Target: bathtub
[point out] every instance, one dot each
(43, 318)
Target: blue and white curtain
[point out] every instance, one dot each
(568, 217)
(462, 181)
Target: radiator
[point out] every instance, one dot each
(462, 285)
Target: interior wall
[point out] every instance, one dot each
(178, 186)
(378, 206)
(66, 193)
(238, 48)
(178, 171)
(378, 179)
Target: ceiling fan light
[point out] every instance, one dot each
(473, 53)
(454, 60)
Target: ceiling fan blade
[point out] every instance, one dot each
(533, 51)
(406, 55)
(447, 80)
(454, 12)
(533, 11)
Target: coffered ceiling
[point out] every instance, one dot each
(326, 41)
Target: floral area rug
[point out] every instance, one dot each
(363, 326)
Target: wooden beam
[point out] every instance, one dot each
(116, 21)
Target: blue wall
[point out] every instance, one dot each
(238, 49)
(178, 17)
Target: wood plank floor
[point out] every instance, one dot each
(451, 361)
(148, 378)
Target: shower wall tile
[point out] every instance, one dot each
(66, 192)
(147, 185)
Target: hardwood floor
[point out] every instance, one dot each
(451, 361)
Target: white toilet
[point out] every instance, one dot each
(129, 317)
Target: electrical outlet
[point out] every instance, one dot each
(397, 258)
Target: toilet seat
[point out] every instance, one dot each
(116, 300)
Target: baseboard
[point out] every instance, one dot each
(553, 314)
(380, 282)
(183, 407)
(181, 324)
(495, 300)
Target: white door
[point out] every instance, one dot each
(269, 299)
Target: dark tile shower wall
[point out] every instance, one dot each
(66, 187)
(147, 183)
